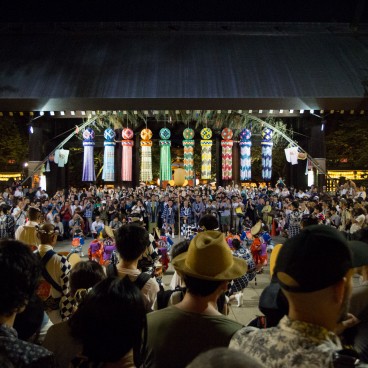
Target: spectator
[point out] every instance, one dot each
(132, 241)
(116, 304)
(19, 273)
(97, 227)
(27, 233)
(223, 357)
(7, 223)
(59, 340)
(318, 294)
(194, 325)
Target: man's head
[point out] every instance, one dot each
(19, 276)
(315, 268)
(131, 241)
(208, 222)
(34, 214)
(208, 263)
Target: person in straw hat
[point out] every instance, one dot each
(177, 334)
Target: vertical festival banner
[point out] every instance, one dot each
(206, 144)
(108, 173)
(127, 159)
(267, 153)
(245, 155)
(165, 155)
(227, 154)
(188, 144)
(88, 159)
(146, 155)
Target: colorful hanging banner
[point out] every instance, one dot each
(88, 160)
(206, 144)
(108, 173)
(267, 153)
(146, 154)
(126, 163)
(188, 144)
(165, 155)
(227, 154)
(245, 154)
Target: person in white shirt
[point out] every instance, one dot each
(132, 241)
(97, 227)
(26, 233)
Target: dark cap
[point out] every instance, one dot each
(318, 257)
(360, 253)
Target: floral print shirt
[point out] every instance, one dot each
(21, 353)
(290, 344)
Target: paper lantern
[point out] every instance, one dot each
(165, 154)
(206, 144)
(146, 155)
(179, 177)
(127, 159)
(245, 154)
(188, 144)
(267, 153)
(227, 154)
(108, 173)
(88, 160)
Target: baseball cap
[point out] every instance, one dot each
(318, 257)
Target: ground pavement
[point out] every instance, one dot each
(243, 314)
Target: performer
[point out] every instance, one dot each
(168, 218)
(185, 219)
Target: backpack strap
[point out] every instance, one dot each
(48, 255)
(142, 279)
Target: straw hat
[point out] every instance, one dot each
(109, 231)
(256, 228)
(209, 258)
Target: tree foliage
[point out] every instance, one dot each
(347, 139)
(13, 144)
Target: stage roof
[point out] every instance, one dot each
(120, 66)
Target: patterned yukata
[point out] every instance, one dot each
(290, 344)
(293, 223)
(242, 282)
(58, 268)
(22, 353)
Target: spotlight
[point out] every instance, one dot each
(302, 111)
(30, 129)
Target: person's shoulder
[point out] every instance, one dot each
(242, 336)
(34, 355)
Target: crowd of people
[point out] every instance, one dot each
(108, 311)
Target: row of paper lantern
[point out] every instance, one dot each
(165, 134)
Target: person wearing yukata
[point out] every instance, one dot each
(258, 247)
(107, 245)
(185, 219)
(168, 219)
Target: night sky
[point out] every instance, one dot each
(348, 11)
